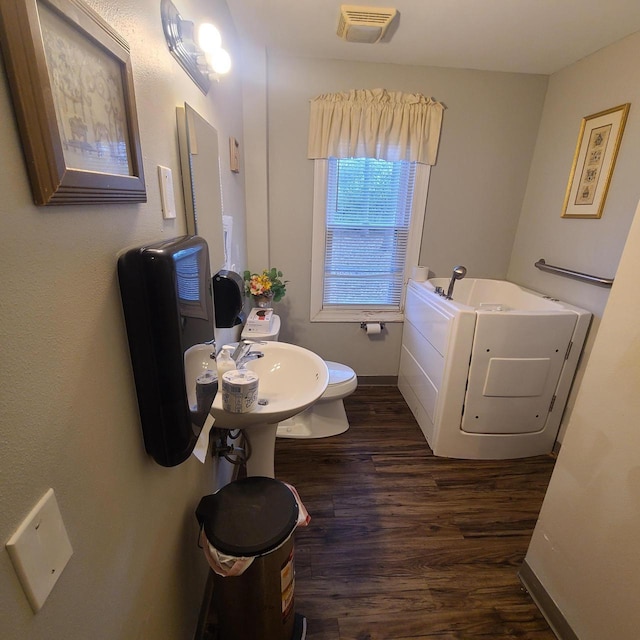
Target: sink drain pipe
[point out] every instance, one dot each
(223, 448)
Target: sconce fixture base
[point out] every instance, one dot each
(179, 36)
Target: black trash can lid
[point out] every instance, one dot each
(248, 517)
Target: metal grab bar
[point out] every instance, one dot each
(543, 266)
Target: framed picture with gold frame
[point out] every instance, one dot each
(593, 163)
(72, 88)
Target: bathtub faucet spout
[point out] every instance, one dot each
(459, 272)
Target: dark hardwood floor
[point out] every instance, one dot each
(403, 545)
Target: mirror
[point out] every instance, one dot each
(200, 164)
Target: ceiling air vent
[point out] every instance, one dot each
(364, 24)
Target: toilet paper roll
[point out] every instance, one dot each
(373, 328)
(206, 389)
(420, 274)
(239, 391)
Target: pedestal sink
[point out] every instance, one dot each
(291, 379)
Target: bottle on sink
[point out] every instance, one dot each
(224, 362)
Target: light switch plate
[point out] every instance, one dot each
(40, 550)
(166, 192)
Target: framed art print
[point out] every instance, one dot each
(593, 163)
(72, 89)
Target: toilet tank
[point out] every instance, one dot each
(267, 336)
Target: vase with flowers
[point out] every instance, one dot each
(266, 287)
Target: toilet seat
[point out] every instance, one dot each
(342, 381)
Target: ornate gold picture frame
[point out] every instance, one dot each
(593, 163)
(72, 88)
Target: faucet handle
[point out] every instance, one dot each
(212, 344)
(242, 348)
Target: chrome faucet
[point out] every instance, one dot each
(459, 272)
(243, 353)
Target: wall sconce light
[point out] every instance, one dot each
(202, 58)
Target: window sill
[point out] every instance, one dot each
(357, 315)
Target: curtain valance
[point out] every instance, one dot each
(376, 123)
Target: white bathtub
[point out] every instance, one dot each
(487, 374)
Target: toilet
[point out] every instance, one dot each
(326, 417)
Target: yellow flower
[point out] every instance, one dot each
(268, 282)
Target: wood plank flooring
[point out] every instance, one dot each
(403, 545)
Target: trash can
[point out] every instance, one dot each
(248, 526)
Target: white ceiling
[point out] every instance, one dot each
(527, 36)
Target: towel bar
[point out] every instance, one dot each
(543, 266)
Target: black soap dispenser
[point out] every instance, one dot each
(168, 308)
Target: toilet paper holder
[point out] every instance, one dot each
(363, 325)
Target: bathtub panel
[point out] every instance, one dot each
(430, 320)
(419, 394)
(506, 415)
(517, 358)
(423, 388)
(516, 377)
(428, 357)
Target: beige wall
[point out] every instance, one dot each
(475, 196)
(605, 79)
(69, 418)
(590, 245)
(584, 549)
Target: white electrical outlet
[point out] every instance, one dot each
(166, 192)
(40, 550)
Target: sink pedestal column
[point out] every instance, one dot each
(261, 439)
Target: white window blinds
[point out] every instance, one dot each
(368, 216)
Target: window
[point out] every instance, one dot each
(372, 152)
(368, 218)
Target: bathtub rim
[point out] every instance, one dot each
(553, 304)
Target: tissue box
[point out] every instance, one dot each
(259, 320)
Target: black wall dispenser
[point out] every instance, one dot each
(228, 295)
(167, 301)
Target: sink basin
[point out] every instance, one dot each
(291, 379)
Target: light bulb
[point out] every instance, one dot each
(219, 60)
(209, 38)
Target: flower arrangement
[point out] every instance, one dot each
(269, 283)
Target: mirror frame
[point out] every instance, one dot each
(197, 139)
